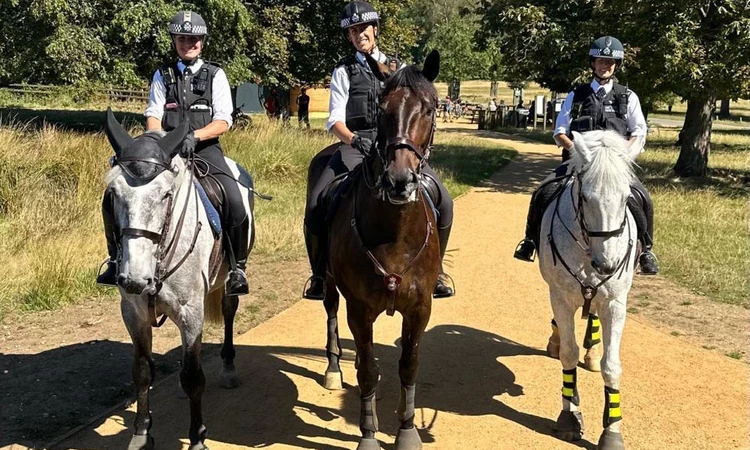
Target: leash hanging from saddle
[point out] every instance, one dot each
(587, 291)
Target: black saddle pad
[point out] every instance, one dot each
(338, 188)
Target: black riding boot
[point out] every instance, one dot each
(237, 236)
(316, 252)
(527, 248)
(109, 276)
(640, 199)
(442, 290)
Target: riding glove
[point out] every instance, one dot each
(363, 144)
(188, 145)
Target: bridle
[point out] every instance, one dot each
(587, 290)
(393, 280)
(165, 251)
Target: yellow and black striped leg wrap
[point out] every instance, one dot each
(612, 412)
(570, 389)
(593, 332)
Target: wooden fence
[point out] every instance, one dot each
(113, 93)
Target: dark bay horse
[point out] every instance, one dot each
(384, 253)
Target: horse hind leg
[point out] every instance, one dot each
(333, 379)
(553, 344)
(143, 374)
(194, 382)
(592, 344)
(228, 376)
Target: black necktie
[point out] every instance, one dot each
(601, 93)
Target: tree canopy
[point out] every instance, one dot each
(697, 50)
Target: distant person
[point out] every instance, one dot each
(447, 108)
(303, 108)
(272, 105)
(492, 106)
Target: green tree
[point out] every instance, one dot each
(698, 50)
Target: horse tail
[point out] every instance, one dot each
(212, 307)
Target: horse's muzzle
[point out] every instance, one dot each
(400, 186)
(137, 287)
(603, 269)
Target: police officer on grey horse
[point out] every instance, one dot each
(353, 108)
(601, 105)
(194, 90)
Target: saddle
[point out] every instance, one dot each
(342, 185)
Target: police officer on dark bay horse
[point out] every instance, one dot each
(601, 105)
(197, 91)
(353, 110)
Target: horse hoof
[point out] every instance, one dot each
(553, 350)
(368, 444)
(610, 440)
(408, 439)
(228, 379)
(141, 442)
(592, 364)
(569, 426)
(333, 381)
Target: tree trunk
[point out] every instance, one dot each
(724, 110)
(696, 137)
(493, 89)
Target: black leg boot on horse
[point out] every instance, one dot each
(442, 290)
(237, 236)
(109, 276)
(642, 208)
(316, 252)
(527, 248)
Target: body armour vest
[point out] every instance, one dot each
(592, 113)
(188, 96)
(364, 94)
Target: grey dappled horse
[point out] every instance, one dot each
(170, 262)
(589, 252)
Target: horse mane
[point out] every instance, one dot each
(411, 77)
(608, 164)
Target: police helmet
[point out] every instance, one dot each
(188, 23)
(358, 12)
(607, 47)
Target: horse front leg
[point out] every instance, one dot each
(333, 377)
(192, 379)
(360, 325)
(613, 323)
(569, 425)
(228, 376)
(412, 329)
(139, 328)
(592, 344)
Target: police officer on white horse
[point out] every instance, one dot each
(353, 109)
(601, 105)
(194, 90)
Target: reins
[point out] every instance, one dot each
(588, 291)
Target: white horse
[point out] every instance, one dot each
(588, 259)
(170, 263)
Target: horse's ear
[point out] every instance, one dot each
(381, 71)
(431, 67)
(118, 137)
(580, 147)
(172, 142)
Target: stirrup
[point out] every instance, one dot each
(518, 254)
(309, 283)
(445, 277)
(99, 274)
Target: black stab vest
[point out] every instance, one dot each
(591, 113)
(188, 97)
(364, 95)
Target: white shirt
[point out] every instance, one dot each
(634, 118)
(340, 88)
(221, 101)
(492, 106)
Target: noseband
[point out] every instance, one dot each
(587, 290)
